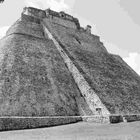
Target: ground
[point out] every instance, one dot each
(78, 131)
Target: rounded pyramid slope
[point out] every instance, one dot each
(34, 80)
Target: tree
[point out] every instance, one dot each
(1, 1)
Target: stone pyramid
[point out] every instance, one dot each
(53, 71)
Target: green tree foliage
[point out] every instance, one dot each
(1, 1)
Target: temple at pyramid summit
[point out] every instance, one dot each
(54, 72)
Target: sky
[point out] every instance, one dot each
(117, 22)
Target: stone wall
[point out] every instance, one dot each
(75, 39)
(34, 82)
(62, 18)
(34, 12)
(26, 26)
(28, 18)
(62, 22)
(16, 123)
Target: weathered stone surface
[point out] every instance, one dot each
(27, 26)
(39, 80)
(117, 85)
(34, 80)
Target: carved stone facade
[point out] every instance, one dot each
(88, 29)
(60, 18)
(62, 22)
(34, 12)
(63, 19)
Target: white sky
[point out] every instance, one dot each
(116, 21)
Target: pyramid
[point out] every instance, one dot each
(54, 72)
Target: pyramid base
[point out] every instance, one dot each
(30, 123)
